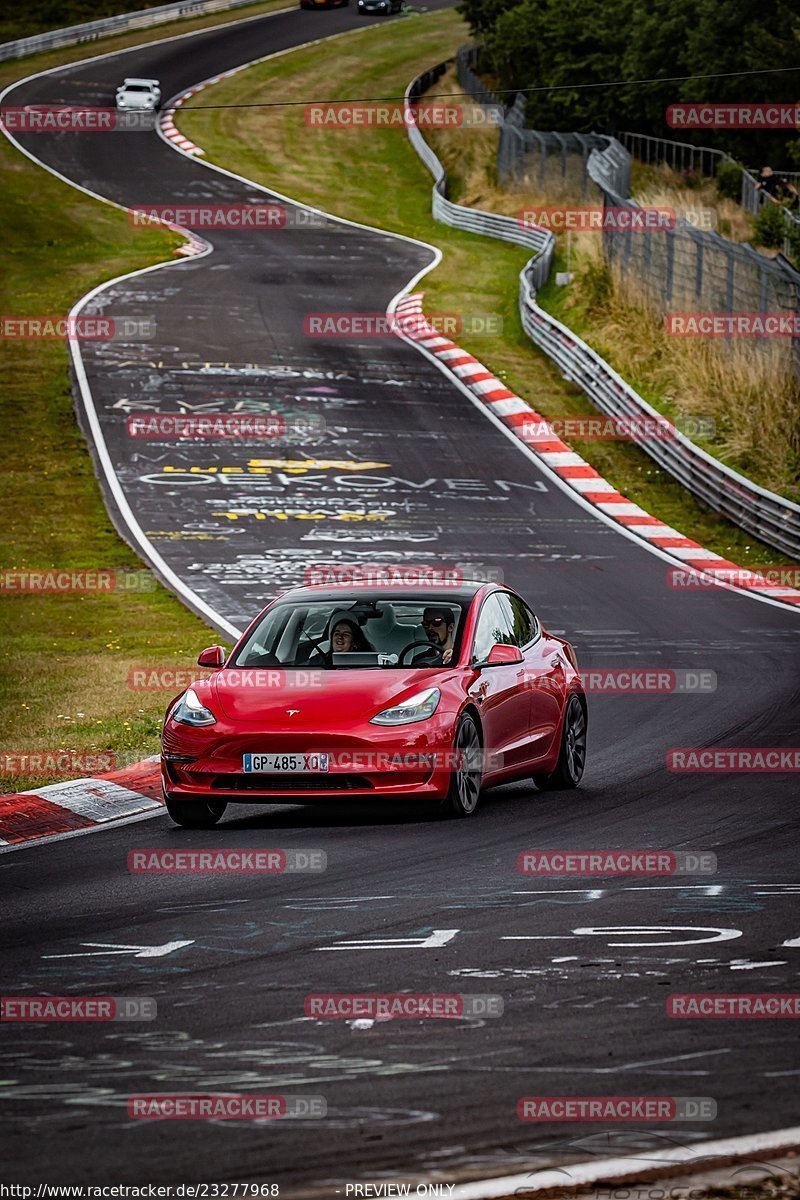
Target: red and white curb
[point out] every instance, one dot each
(80, 804)
(167, 126)
(533, 429)
(166, 122)
(193, 244)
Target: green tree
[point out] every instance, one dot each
(481, 15)
(656, 49)
(564, 45)
(730, 36)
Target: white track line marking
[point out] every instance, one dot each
(578, 1174)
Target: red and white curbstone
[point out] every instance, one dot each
(167, 126)
(193, 244)
(166, 122)
(532, 429)
(79, 804)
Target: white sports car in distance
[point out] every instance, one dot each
(139, 95)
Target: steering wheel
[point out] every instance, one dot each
(428, 646)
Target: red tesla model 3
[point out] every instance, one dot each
(377, 692)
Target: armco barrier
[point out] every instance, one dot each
(74, 35)
(766, 515)
(471, 219)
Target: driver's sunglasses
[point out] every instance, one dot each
(433, 621)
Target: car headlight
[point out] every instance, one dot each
(191, 711)
(416, 708)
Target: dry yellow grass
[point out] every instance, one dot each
(661, 186)
(753, 398)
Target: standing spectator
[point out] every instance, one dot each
(767, 181)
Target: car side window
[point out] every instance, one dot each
(525, 624)
(495, 624)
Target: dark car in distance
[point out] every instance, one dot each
(381, 7)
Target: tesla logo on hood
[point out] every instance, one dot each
(292, 712)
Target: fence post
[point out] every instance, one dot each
(670, 265)
(698, 270)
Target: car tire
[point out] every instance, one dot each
(464, 791)
(572, 756)
(196, 814)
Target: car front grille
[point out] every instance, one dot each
(291, 783)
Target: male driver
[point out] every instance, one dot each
(439, 625)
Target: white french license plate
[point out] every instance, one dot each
(285, 764)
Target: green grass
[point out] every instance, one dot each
(373, 175)
(65, 657)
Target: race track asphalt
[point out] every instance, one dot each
(435, 482)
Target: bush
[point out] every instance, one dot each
(793, 233)
(729, 180)
(770, 226)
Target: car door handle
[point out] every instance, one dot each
(556, 660)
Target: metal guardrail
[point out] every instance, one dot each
(473, 220)
(89, 31)
(766, 515)
(682, 269)
(516, 139)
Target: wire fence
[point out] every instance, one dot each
(554, 163)
(473, 220)
(770, 517)
(682, 269)
(680, 156)
(702, 161)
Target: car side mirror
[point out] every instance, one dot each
(500, 655)
(212, 656)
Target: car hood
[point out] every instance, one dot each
(327, 700)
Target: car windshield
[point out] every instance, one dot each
(356, 633)
(137, 87)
